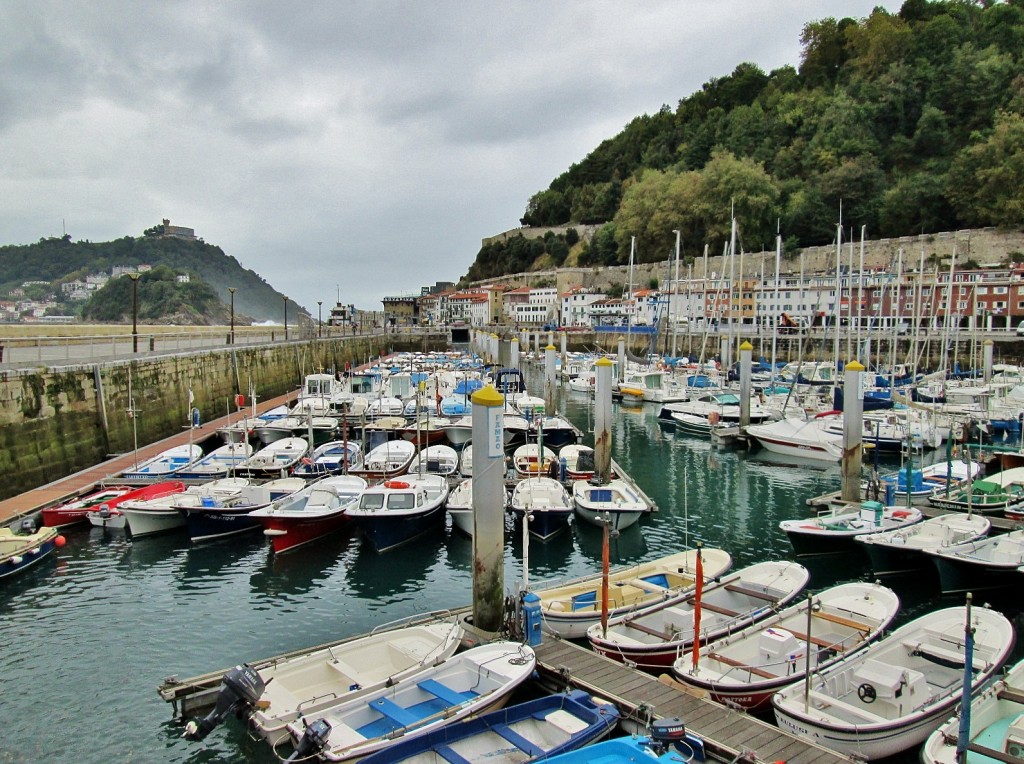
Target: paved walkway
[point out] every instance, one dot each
(72, 485)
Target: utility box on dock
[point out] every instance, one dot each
(532, 619)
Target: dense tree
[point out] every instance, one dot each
(987, 178)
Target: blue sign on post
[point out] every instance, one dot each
(195, 418)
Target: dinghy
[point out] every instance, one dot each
(747, 667)
(903, 549)
(887, 698)
(572, 608)
(164, 463)
(530, 731)
(654, 638)
(988, 563)
(468, 683)
(616, 501)
(545, 501)
(834, 531)
(20, 550)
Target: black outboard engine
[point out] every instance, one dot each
(313, 740)
(240, 688)
(28, 526)
(670, 734)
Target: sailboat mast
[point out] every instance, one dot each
(776, 310)
(673, 314)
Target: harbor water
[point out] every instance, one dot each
(90, 633)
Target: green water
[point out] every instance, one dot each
(89, 634)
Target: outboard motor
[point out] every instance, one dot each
(670, 734)
(313, 740)
(240, 688)
(28, 526)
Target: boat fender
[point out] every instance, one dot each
(823, 414)
(17, 560)
(396, 484)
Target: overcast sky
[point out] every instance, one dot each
(360, 146)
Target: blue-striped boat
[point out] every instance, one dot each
(669, 742)
(524, 732)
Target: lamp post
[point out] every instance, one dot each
(285, 319)
(135, 311)
(232, 291)
(319, 319)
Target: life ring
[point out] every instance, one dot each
(823, 414)
(396, 484)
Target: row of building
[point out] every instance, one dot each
(992, 298)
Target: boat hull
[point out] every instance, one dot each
(207, 523)
(152, 521)
(288, 533)
(36, 551)
(386, 533)
(546, 522)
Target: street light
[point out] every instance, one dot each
(135, 311)
(285, 318)
(232, 290)
(319, 319)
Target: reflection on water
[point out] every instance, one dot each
(125, 613)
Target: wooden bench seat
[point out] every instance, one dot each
(647, 630)
(718, 609)
(843, 621)
(740, 664)
(755, 593)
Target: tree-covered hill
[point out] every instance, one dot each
(59, 260)
(160, 297)
(910, 122)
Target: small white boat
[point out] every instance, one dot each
(275, 459)
(887, 698)
(931, 479)
(466, 684)
(466, 460)
(573, 607)
(989, 563)
(545, 501)
(216, 464)
(903, 549)
(747, 667)
(616, 501)
(529, 460)
(996, 724)
(149, 516)
(802, 438)
(578, 460)
(332, 458)
(460, 505)
(163, 464)
(312, 681)
(390, 459)
(437, 460)
(459, 431)
(310, 514)
(834, 531)
(655, 638)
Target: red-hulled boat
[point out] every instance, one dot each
(76, 510)
(315, 511)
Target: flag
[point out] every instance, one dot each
(696, 608)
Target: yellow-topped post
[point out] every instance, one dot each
(746, 353)
(853, 430)
(488, 509)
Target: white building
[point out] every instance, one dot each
(575, 306)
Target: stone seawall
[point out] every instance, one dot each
(59, 420)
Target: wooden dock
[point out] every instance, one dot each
(729, 734)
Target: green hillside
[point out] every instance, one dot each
(910, 122)
(59, 260)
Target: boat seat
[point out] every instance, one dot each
(842, 621)
(566, 722)
(741, 665)
(394, 712)
(929, 650)
(349, 672)
(718, 609)
(444, 692)
(755, 593)
(452, 757)
(647, 586)
(825, 702)
(343, 736)
(531, 748)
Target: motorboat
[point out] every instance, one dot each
(669, 742)
(400, 509)
(385, 406)
(617, 502)
(332, 458)
(996, 724)
(889, 697)
(903, 549)
(215, 516)
(466, 460)
(243, 429)
(22, 550)
(388, 460)
(466, 684)
(219, 463)
(697, 415)
(276, 459)
(438, 460)
(531, 459)
(554, 431)
(425, 430)
(571, 608)
(157, 515)
(75, 510)
(835, 529)
(654, 639)
(163, 464)
(544, 503)
(515, 429)
(747, 667)
(941, 479)
(316, 511)
(459, 431)
(531, 731)
(802, 438)
(577, 461)
(997, 494)
(989, 563)
(309, 681)
(110, 516)
(460, 506)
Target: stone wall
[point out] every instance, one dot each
(57, 421)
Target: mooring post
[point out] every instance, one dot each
(488, 509)
(603, 421)
(853, 430)
(549, 382)
(746, 352)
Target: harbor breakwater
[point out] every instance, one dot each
(56, 421)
